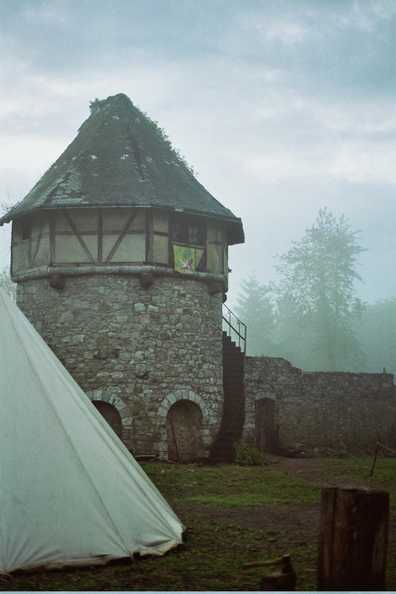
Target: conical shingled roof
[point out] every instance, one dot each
(121, 158)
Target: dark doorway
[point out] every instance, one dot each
(111, 414)
(183, 426)
(266, 428)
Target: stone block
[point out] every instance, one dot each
(137, 322)
(140, 307)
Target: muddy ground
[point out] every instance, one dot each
(234, 516)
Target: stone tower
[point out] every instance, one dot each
(120, 256)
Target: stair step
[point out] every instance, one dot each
(234, 402)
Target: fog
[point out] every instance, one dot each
(281, 107)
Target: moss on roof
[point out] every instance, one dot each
(120, 157)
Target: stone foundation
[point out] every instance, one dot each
(320, 411)
(139, 349)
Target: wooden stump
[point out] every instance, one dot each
(353, 539)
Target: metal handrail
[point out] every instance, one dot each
(234, 328)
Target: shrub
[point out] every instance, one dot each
(247, 454)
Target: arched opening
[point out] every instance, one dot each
(110, 414)
(184, 432)
(267, 430)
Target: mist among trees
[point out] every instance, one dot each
(312, 315)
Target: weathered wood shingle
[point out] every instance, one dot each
(120, 157)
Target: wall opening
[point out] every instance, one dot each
(110, 414)
(267, 434)
(184, 432)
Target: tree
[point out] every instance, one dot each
(255, 309)
(292, 336)
(318, 276)
(376, 332)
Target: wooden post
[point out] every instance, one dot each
(353, 539)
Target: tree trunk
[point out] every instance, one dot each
(353, 539)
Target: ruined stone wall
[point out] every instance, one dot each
(268, 377)
(139, 349)
(322, 411)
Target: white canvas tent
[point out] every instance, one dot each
(70, 492)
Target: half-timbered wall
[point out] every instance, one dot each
(30, 243)
(75, 236)
(119, 236)
(124, 236)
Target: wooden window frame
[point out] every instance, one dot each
(186, 218)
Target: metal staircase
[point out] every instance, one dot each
(234, 328)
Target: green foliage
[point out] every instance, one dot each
(292, 335)
(247, 454)
(310, 317)
(255, 308)
(318, 276)
(161, 132)
(376, 332)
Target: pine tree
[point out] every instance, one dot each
(376, 332)
(255, 309)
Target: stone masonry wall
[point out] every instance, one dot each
(139, 349)
(322, 411)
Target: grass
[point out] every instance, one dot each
(234, 515)
(358, 469)
(231, 486)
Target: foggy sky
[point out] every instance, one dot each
(282, 107)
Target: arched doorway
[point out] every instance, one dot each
(110, 414)
(267, 430)
(183, 426)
